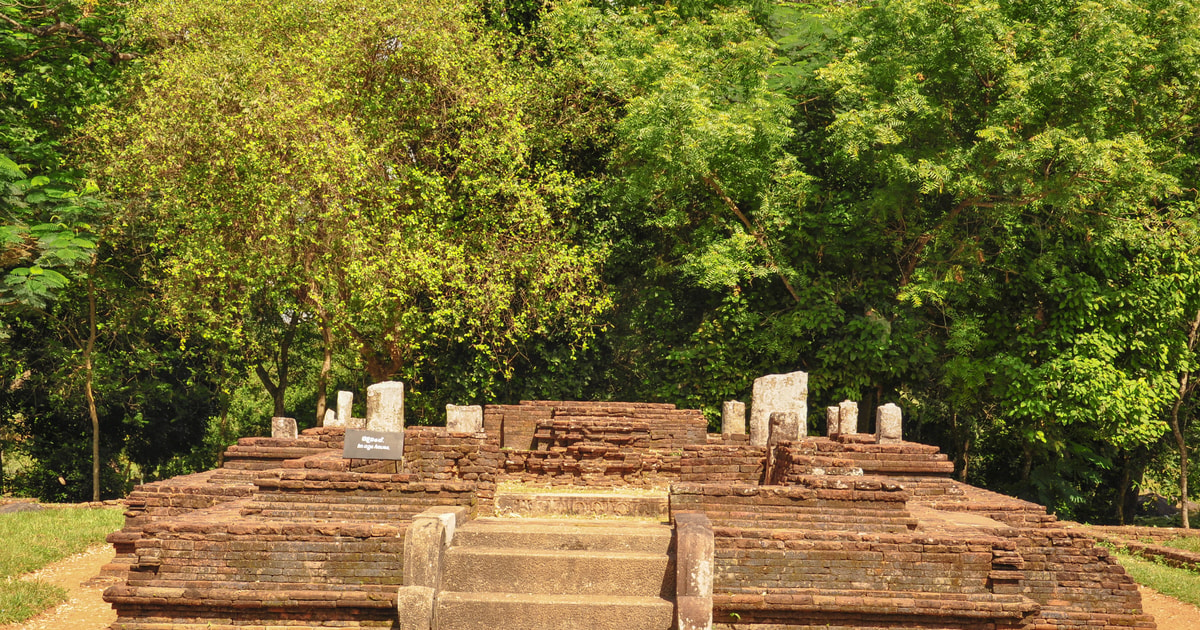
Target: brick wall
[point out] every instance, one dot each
(833, 503)
(960, 497)
(548, 423)
(263, 453)
(777, 560)
(593, 465)
(723, 462)
(900, 458)
(217, 569)
(353, 497)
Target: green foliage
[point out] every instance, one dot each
(364, 166)
(44, 229)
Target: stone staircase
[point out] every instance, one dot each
(558, 574)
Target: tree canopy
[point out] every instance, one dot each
(983, 211)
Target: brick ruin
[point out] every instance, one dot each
(840, 531)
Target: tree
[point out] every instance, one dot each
(56, 59)
(362, 168)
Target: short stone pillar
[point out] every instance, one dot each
(464, 418)
(385, 407)
(848, 417)
(888, 423)
(425, 544)
(345, 405)
(330, 419)
(833, 421)
(785, 427)
(777, 392)
(694, 564)
(284, 428)
(733, 418)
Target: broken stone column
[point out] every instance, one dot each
(848, 417)
(330, 419)
(425, 544)
(284, 428)
(385, 407)
(785, 427)
(694, 567)
(345, 403)
(777, 392)
(733, 418)
(464, 418)
(833, 421)
(888, 423)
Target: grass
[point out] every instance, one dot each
(1186, 543)
(34, 539)
(1181, 584)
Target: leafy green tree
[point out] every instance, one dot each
(362, 170)
(57, 59)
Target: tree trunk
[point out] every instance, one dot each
(961, 432)
(1183, 465)
(278, 390)
(1026, 463)
(1185, 386)
(91, 398)
(1131, 472)
(326, 366)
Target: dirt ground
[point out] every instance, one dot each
(86, 610)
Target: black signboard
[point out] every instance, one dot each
(373, 445)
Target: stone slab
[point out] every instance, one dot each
(553, 504)
(284, 428)
(385, 406)
(733, 418)
(888, 421)
(777, 392)
(847, 417)
(464, 418)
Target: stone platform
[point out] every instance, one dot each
(602, 515)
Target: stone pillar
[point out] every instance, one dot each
(385, 407)
(785, 427)
(425, 544)
(284, 428)
(345, 403)
(888, 423)
(833, 422)
(694, 563)
(733, 418)
(464, 418)
(848, 417)
(330, 419)
(777, 392)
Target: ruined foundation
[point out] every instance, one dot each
(602, 515)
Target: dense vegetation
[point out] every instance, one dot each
(220, 211)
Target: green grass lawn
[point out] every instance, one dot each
(34, 539)
(1181, 584)
(1187, 543)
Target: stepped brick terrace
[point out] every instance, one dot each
(603, 515)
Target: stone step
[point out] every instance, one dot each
(488, 611)
(558, 571)
(555, 534)
(533, 504)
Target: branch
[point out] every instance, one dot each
(754, 230)
(73, 31)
